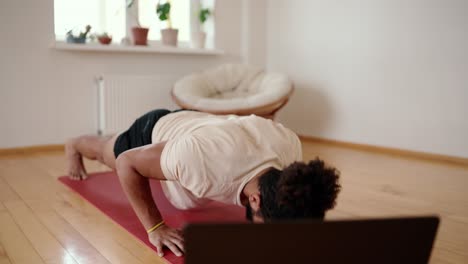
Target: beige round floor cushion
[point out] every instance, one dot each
(233, 89)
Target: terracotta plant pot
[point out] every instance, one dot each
(169, 36)
(199, 40)
(140, 35)
(105, 40)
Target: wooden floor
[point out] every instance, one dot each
(41, 221)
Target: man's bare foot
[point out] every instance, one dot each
(75, 167)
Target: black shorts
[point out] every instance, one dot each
(139, 133)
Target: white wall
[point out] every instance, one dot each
(254, 32)
(48, 95)
(382, 72)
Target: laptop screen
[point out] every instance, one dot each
(394, 240)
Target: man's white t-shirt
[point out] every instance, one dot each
(210, 157)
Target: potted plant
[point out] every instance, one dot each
(199, 38)
(139, 33)
(81, 38)
(104, 38)
(168, 35)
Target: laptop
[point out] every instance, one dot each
(393, 240)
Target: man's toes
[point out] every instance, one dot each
(83, 175)
(74, 176)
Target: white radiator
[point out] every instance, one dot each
(123, 98)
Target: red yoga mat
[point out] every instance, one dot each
(103, 190)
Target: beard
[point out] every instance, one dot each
(249, 213)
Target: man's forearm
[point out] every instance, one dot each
(138, 191)
(135, 167)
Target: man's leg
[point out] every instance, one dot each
(99, 148)
(102, 148)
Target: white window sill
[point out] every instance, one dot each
(152, 48)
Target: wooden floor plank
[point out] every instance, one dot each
(123, 249)
(122, 237)
(6, 193)
(44, 242)
(27, 182)
(78, 247)
(16, 245)
(95, 232)
(374, 185)
(73, 208)
(4, 259)
(33, 184)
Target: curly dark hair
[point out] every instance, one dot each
(299, 191)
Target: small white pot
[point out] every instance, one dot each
(199, 40)
(169, 36)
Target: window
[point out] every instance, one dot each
(110, 16)
(103, 16)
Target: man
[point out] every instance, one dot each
(245, 160)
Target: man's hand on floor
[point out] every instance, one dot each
(169, 237)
